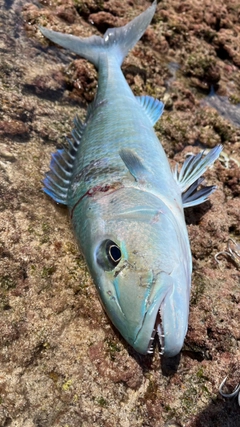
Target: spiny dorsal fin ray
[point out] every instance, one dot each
(189, 177)
(58, 178)
(152, 107)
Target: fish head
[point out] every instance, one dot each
(142, 273)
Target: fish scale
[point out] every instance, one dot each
(125, 203)
(119, 136)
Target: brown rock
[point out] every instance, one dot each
(14, 128)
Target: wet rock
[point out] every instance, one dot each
(81, 80)
(46, 86)
(103, 21)
(227, 44)
(14, 128)
(203, 68)
(67, 13)
(227, 109)
(115, 365)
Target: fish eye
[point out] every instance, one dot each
(114, 253)
(108, 255)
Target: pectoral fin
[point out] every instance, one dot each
(134, 165)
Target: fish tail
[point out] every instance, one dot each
(116, 41)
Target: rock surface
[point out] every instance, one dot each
(62, 363)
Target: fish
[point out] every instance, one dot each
(125, 202)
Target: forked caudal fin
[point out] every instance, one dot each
(189, 177)
(116, 41)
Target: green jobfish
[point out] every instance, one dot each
(125, 202)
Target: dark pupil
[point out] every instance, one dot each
(114, 253)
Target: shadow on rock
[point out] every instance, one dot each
(169, 365)
(219, 414)
(194, 214)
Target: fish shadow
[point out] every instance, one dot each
(168, 365)
(194, 214)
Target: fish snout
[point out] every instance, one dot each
(174, 319)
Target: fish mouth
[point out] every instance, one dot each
(157, 334)
(158, 310)
(165, 319)
(153, 324)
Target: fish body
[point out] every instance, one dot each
(125, 203)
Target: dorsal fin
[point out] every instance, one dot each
(152, 107)
(58, 178)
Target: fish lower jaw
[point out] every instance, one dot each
(157, 330)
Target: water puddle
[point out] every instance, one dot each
(224, 107)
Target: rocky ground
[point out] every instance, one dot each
(61, 361)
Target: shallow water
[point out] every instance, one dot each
(224, 107)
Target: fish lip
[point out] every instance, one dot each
(157, 327)
(153, 320)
